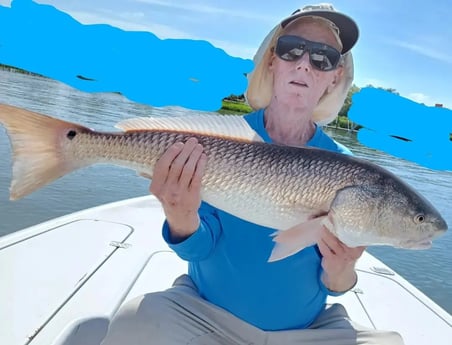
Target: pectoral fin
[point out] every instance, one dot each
(298, 237)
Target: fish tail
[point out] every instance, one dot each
(37, 153)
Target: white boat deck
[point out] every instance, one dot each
(63, 280)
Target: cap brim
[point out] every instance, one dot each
(348, 30)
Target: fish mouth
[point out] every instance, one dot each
(423, 243)
(442, 228)
(439, 233)
(426, 244)
(426, 241)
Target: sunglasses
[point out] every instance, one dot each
(322, 56)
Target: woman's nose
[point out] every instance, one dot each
(303, 62)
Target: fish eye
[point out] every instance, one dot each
(419, 218)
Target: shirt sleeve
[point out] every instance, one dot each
(330, 292)
(202, 242)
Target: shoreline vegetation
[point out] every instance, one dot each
(18, 70)
(236, 104)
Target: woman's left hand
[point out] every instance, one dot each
(338, 262)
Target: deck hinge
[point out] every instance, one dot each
(120, 244)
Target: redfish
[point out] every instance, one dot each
(294, 190)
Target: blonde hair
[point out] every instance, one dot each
(260, 80)
(314, 19)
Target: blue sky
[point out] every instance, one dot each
(403, 44)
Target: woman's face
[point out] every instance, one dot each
(297, 83)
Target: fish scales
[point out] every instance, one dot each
(278, 176)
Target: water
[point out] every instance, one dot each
(429, 270)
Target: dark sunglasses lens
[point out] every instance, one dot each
(290, 48)
(322, 56)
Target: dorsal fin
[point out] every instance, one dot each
(229, 126)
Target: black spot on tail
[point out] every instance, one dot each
(71, 134)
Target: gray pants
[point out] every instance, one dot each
(180, 316)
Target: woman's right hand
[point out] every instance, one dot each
(176, 183)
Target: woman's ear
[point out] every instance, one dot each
(270, 61)
(338, 72)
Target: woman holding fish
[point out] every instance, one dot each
(270, 212)
(232, 294)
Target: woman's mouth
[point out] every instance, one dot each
(298, 83)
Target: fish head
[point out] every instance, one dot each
(387, 212)
(419, 221)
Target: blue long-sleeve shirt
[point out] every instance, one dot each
(228, 263)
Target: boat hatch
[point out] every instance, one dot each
(56, 263)
(392, 306)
